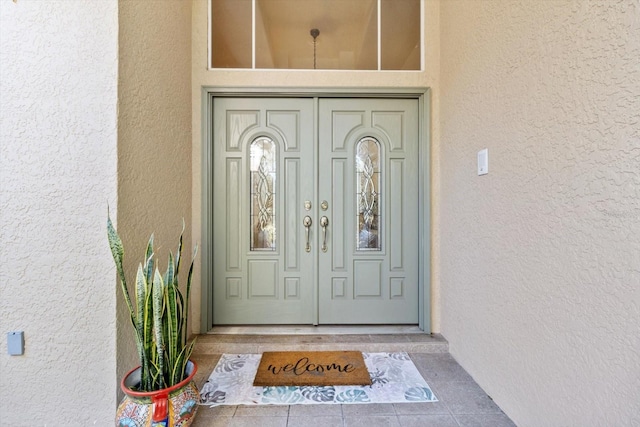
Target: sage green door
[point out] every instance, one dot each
(263, 157)
(368, 174)
(315, 205)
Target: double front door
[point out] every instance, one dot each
(315, 211)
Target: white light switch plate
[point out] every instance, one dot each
(483, 162)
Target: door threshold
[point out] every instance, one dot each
(316, 330)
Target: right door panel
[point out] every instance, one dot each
(368, 175)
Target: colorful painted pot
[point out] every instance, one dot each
(175, 406)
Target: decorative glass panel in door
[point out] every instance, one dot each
(263, 179)
(368, 194)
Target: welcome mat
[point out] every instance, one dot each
(394, 379)
(311, 368)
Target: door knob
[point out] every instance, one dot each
(307, 225)
(324, 223)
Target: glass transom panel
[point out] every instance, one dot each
(262, 168)
(349, 34)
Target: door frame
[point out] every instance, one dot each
(423, 95)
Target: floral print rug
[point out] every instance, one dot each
(394, 379)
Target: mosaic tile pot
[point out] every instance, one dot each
(171, 407)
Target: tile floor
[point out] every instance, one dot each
(461, 403)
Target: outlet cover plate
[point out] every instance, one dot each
(15, 343)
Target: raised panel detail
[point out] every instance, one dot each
(337, 226)
(396, 223)
(339, 288)
(263, 279)
(292, 205)
(237, 123)
(391, 122)
(234, 288)
(287, 124)
(367, 278)
(396, 288)
(233, 232)
(344, 122)
(292, 288)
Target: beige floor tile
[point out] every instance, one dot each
(368, 410)
(376, 421)
(427, 420)
(262, 411)
(321, 421)
(313, 411)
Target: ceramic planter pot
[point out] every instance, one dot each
(171, 407)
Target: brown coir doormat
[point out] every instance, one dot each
(311, 368)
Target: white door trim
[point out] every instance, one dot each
(424, 226)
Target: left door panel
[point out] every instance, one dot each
(263, 172)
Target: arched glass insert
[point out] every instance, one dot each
(263, 183)
(368, 194)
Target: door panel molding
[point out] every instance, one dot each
(292, 284)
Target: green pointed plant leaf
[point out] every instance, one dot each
(158, 303)
(180, 315)
(172, 311)
(188, 294)
(148, 256)
(178, 372)
(141, 294)
(179, 253)
(117, 251)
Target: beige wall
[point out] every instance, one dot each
(57, 173)
(203, 77)
(154, 139)
(540, 259)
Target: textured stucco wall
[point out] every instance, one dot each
(540, 259)
(58, 94)
(330, 79)
(154, 139)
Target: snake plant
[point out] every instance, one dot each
(160, 314)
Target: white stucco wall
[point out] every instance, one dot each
(202, 77)
(58, 67)
(154, 140)
(540, 259)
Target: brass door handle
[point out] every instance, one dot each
(324, 223)
(307, 225)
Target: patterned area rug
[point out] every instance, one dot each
(394, 378)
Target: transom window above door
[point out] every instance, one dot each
(316, 34)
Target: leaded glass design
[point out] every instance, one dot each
(263, 181)
(368, 194)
